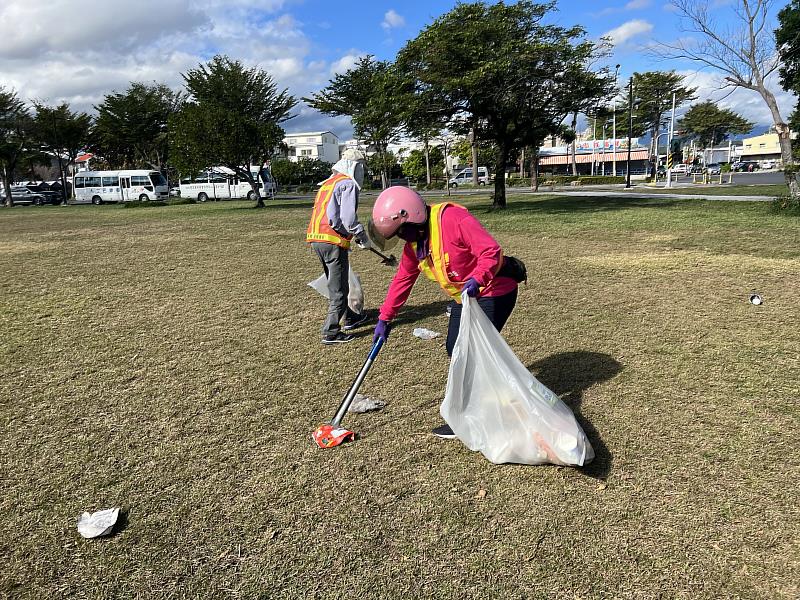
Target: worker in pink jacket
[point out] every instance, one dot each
(450, 246)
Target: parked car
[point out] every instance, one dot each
(680, 168)
(464, 177)
(49, 196)
(22, 195)
(696, 168)
(713, 169)
(768, 164)
(745, 165)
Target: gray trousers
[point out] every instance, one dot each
(336, 264)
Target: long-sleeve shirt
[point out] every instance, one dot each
(472, 251)
(343, 209)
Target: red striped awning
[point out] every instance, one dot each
(566, 159)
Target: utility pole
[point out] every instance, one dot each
(669, 143)
(630, 130)
(594, 137)
(614, 124)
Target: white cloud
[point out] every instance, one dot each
(747, 103)
(346, 62)
(637, 4)
(627, 31)
(392, 20)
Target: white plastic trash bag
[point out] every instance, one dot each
(494, 405)
(355, 299)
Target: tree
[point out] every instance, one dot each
(652, 103)
(743, 53)
(61, 133)
(284, 171)
(503, 72)
(418, 165)
(487, 154)
(709, 124)
(369, 94)
(787, 37)
(232, 119)
(131, 127)
(15, 134)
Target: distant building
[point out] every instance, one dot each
(557, 160)
(322, 145)
(763, 147)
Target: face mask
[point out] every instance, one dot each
(412, 233)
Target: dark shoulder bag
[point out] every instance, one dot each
(513, 268)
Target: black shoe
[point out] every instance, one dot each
(339, 338)
(358, 320)
(444, 432)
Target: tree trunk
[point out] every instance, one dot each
(427, 163)
(9, 201)
(474, 144)
(254, 185)
(535, 171)
(500, 176)
(784, 138)
(574, 160)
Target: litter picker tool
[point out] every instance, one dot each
(389, 261)
(330, 435)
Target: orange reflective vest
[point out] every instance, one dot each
(436, 264)
(319, 230)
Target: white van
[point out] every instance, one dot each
(119, 186)
(464, 177)
(218, 183)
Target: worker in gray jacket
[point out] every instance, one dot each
(334, 224)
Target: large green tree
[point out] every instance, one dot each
(505, 73)
(370, 94)
(62, 133)
(787, 37)
(232, 118)
(16, 128)
(131, 127)
(710, 125)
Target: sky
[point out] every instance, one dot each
(62, 50)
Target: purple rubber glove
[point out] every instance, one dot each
(472, 287)
(381, 331)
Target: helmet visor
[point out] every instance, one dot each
(378, 239)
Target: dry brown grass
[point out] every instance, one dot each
(168, 361)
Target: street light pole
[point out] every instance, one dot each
(630, 129)
(614, 124)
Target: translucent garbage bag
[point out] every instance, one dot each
(355, 299)
(495, 406)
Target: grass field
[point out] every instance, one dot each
(167, 360)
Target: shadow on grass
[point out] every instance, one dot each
(569, 374)
(412, 314)
(583, 204)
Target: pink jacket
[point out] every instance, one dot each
(473, 253)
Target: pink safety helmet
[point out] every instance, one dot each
(397, 205)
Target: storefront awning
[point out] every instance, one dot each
(566, 159)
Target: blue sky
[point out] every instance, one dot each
(302, 43)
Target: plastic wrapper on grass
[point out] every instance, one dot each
(98, 524)
(495, 406)
(425, 334)
(363, 404)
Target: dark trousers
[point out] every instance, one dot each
(336, 264)
(497, 308)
